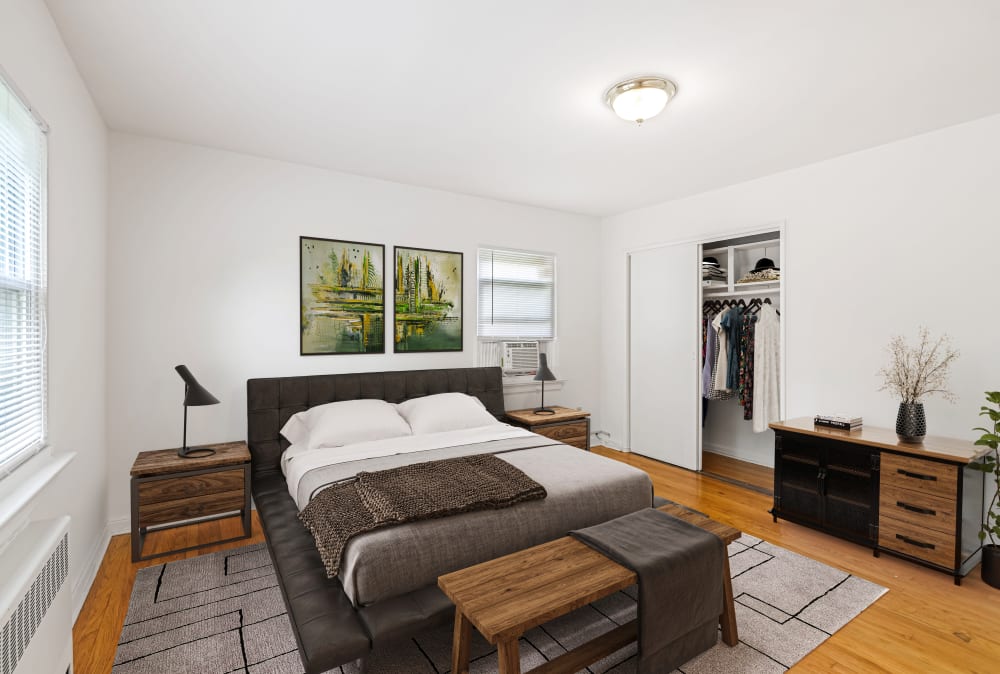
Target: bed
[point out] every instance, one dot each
(387, 589)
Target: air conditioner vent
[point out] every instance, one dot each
(520, 357)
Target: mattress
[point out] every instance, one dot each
(583, 489)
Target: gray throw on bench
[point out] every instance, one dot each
(679, 566)
(418, 491)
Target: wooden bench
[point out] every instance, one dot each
(505, 597)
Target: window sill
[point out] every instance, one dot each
(20, 488)
(528, 383)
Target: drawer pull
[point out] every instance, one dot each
(928, 546)
(917, 476)
(916, 509)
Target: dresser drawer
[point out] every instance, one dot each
(572, 430)
(185, 509)
(926, 477)
(917, 508)
(580, 442)
(917, 541)
(172, 488)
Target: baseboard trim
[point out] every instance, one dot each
(735, 454)
(121, 525)
(86, 580)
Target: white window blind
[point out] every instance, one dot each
(22, 281)
(516, 294)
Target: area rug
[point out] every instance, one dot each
(223, 612)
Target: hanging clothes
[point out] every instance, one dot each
(708, 356)
(720, 374)
(745, 388)
(721, 361)
(767, 345)
(732, 323)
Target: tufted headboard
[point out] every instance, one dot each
(270, 402)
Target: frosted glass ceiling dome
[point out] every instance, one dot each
(640, 98)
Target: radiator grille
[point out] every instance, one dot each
(28, 616)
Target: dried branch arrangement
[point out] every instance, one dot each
(919, 371)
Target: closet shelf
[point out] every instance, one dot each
(743, 289)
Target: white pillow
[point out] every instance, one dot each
(345, 423)
(445, 412)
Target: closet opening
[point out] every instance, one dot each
(679, 297)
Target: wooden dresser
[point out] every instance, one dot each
(567, 425)
(170, 491)
(918, 501)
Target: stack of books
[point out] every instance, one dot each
(843, 421)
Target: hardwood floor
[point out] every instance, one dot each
(97, 628)
(923, 624)
(734, 470)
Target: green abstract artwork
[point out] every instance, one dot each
(428, 302)
(341, 297)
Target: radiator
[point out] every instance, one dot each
(35, 605)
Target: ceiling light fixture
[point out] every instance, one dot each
(640, 98)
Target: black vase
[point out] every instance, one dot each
(911, 426)
(990, 569)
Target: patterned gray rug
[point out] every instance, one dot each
(223, 613)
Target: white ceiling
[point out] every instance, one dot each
(505, 99)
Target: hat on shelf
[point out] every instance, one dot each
(710, 261)
(765, 263)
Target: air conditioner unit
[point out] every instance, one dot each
(520, 357)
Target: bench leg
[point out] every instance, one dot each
(460, 644)
(727, 620)
(510, 659)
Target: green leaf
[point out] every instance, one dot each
(982, 536)
(993, 397)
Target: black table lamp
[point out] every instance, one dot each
(543, 375)
(194, 394)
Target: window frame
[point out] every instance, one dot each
(33, 294)
(555, 296)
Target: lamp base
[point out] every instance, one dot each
(543, 410)
(195, 452)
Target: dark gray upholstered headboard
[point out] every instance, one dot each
(270, 402)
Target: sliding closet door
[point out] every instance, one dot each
(664, 354)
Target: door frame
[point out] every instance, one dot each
(775, 226)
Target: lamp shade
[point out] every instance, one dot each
(194, 393)
(544, 373)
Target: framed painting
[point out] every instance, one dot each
(341, 297)
(428, 300)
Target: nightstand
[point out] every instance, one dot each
(169, 491)
(566, 425)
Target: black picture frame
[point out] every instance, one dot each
(412, 333)
(337, 320)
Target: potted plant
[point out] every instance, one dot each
(990, 464)
(913, 374)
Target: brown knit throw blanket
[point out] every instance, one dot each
(411, 493)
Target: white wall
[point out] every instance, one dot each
(203, 270)
(33, 54)
(877, 243)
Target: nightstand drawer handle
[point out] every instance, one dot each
(917, 476)
(916, 509)
(928, 546)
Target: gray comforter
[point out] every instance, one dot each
(583, 489)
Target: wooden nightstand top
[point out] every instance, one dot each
(165, 461)
(562, 414)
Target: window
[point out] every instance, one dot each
(516, 294)
(22, 281)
